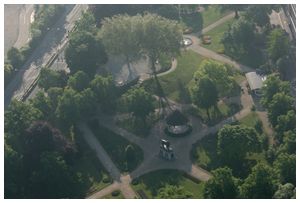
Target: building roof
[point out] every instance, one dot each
(176, 118)
(255, 81)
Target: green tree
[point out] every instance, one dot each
(218, 74)
(68, 107)
(104, 90)
(222, 185)
(57, 178)
(87, 103)
(173, 192)
(84, 52)
(259, 14)
(285, 123)
(54, 93)
(280, 105)
(8, 71)
(18, 117)
(238, 40)
(165, 38)
(234, 7)
(139, 102)
(43, 103)
(15, 57)
(278, 44)
(86, 23)
(286, 191)
(50, 78)
(12, 173)
(234, 142)
(285, 164)
(260, 184)
(273, 85)
(79, 81)
(204, 94)
(121, 36)
(289, 143)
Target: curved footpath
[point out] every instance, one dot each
(150, 144)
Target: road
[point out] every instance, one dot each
(54, 40)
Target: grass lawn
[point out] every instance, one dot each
(151, 183)
(176, 83)
(110, 196)
(250, 120)
(216, 35)
(94, 174)
(224, 110)
(212, 14)
(115, 146)
(204, 153)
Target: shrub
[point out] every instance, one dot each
(106, 180)
(115, 193)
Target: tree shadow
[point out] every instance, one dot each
(184, 95)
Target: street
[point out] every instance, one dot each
(54, 40)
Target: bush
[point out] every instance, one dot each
(258, 126)
(221, 51)
(253, 108)
(115, 193)
(135, 182)
(106, 180)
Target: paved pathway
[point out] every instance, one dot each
(213, 55)
(150, 144)
(217, 23)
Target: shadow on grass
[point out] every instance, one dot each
(184, 95)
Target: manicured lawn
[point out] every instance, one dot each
(151, 183)
(250, 120)
(212, 14)
(176, 83)
(204, 153)
(224, 110)
(115, 146)
(216, 35)
(110, 196)
(94, 174)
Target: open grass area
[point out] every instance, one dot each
(204, 153)
(212, 14)
(115, 146)
(176, 83)
(222, 111)
(250, 120)
(151, 183)
(94, 174)
(118, 195)
(216, 35)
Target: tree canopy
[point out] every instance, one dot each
(234, 142)
(260, 184)
(278, 44)
(50, 78)
(218, 74)
(139, 102)
(222, 185)
(286, 166)
(79, 81)
(84, 52)
(173, 192)
(204, 93)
